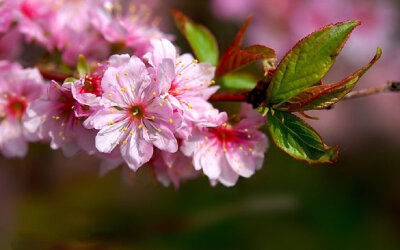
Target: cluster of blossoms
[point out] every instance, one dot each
(94, 28)
(147, 111)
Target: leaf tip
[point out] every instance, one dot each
(334, 156)
(352, 23)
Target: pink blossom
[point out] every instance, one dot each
(186, 81)
(130, 25)
(134, 116)
(229, 150)
(35, 18)
(172, 168)
(54, 118)
(88, 90)
(86, 27)
(10, 44)
(18, 88)
(63, 25)
(87, 43)
(7, 13)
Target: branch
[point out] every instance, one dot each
(258, 91)
(53, 76)
(229, 97)
(388, 87)
(241, 97)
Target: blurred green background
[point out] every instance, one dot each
(287, 205)
(50, 202)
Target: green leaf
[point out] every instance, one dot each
(70, 79)
(308, 61)
(298, 139)
(235, 57)
(201, 40)
(83, 66)
(325, 95)
(238, 80)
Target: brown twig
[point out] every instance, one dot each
(388, 87)
(229, 97)
(53, 76)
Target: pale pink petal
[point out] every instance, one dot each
(110, 136)
(136, 152)
(162, 49)
(228, 177)
(209, 159)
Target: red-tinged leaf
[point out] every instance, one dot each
(200, 39)
(239, 36)
(301, 100)
(325, 95)
(235, 57)
(302, 113)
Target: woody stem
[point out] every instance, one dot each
(390, 86)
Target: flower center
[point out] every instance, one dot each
(224, 133)
(136, 111)
(66, 108)
(92, 84)
(17, 108)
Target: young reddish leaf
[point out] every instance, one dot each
(308, 61)
(296, 138)
(235, 57)
(200, 39)
(323, 96)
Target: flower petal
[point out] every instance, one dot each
(136, 151)
(110, 136)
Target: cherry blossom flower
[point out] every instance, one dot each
(229, 150)
(130, 25)
(187, 82)
(18, 88)
(87, 43)
(7, 13)
(10, 44)
(134, 116)
(93, 28)
(88, 91)
(35, 18)
(172, 168)
(54, 118)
